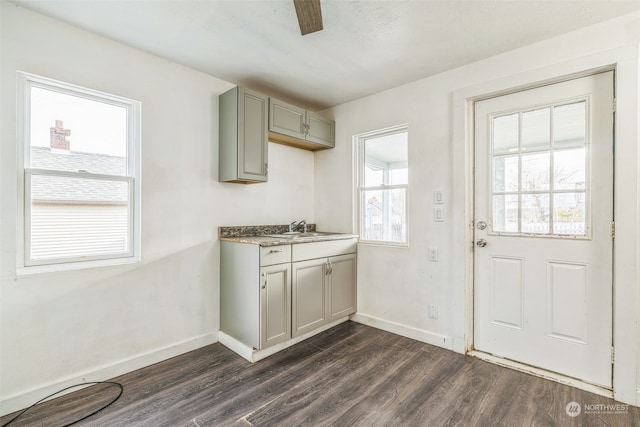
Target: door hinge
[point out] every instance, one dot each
(614, 104)
(613, 229)
(613, 355)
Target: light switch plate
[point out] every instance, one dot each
(437, 197)
(438, 214)
(433, 254)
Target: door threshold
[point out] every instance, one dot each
(538, 372)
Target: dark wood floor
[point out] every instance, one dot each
(351, 375)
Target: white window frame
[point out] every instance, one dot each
(26, 265)
(359, 188)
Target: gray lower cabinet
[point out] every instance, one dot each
(342, 286)
(270, 294)
(323, 289)
(243, 136)
(255, 293)
(275, 304)
(309, 295)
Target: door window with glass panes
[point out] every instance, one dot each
(540, 171)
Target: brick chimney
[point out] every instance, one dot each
(60, 137)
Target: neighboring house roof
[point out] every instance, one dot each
(74, 161)
(77, 190)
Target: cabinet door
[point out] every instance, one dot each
(342, 286)
(286, 119)
(309, 295)
(320, 130)
(275, 304)
(253, 133)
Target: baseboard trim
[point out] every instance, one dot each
(538, 372)
(459, 345)
(253, 355)
(26, 398)
(236, 346)
(404, 330)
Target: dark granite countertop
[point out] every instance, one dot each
(273, 235)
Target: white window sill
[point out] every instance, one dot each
(383, 244)
(70, 266)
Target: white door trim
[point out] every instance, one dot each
(626, 314)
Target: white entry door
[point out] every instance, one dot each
(543, 227)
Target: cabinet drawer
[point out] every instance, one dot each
(270, 255)
(302, 251)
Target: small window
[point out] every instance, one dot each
(80, 175)
(382, 186)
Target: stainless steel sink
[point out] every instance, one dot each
(299, 235)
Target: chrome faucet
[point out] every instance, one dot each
(296, 225)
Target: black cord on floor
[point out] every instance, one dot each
(67, 388)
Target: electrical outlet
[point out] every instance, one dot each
(433, 311)
(433, 254)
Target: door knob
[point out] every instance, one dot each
(481, 243)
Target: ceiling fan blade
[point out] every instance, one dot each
(309, 15)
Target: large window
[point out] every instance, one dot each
(382, 185)
(81, 150)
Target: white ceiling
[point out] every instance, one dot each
(365, 47)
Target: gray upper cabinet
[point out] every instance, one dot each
(243, 136)
(320, 130)
(291, 125)
(287, 119)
